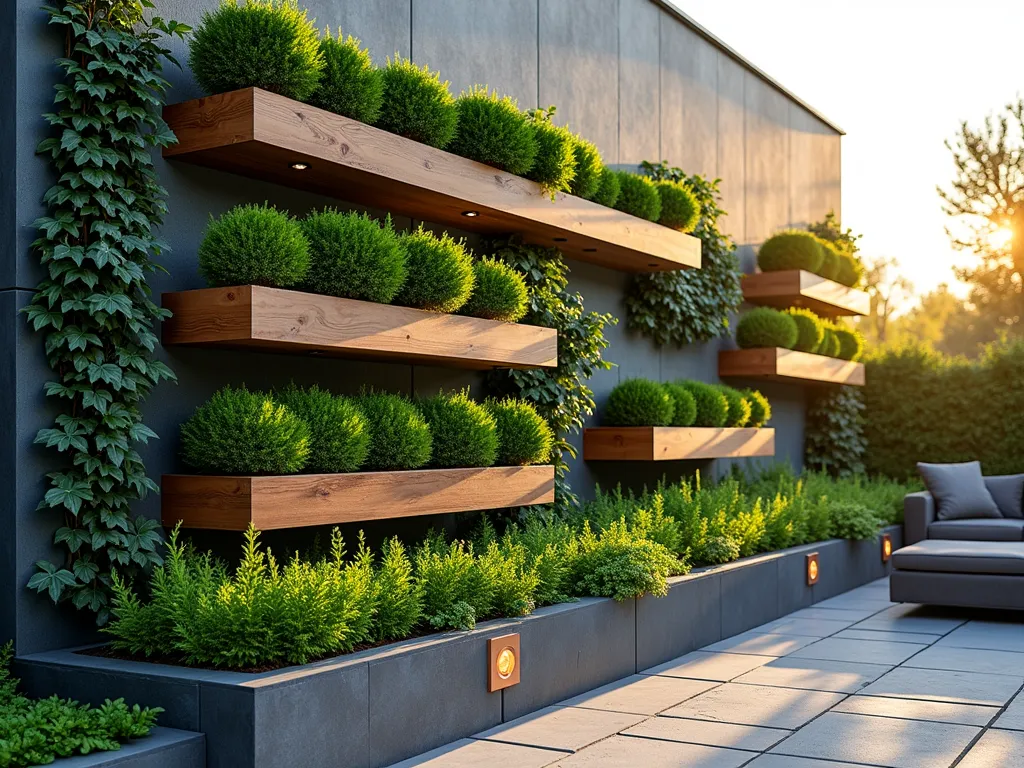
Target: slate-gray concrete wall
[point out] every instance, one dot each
(629, 74)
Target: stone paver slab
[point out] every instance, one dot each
(914, 709)
(856, 603)
(470, 753)
(701, 665)
(711, 734)
(834, 614)
(785, 761)
(1013, 717)
(910, 618)
(565, 728)
(969, 659)
(895, 637)
(882, 741)
(641, 694)
(946, 685)
(865, 651)
(760, 644)
(620, 751)
(803, 627)
(989, 635)
(757, 705)
(815, 674)
(996, 748)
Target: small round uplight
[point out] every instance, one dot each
(812, 570)
(887, 547)
(506, 663)
(298, 165)
(471, 214)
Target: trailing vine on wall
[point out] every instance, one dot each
(834, 439)
(689, 306)
(97, 245)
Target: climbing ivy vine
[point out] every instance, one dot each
(97, 245)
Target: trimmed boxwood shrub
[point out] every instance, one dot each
(760, 408)
(587, 180)
(685, 411)
(399, 436)
(351, 85)
(809, 329)
(417, 104)
(791, 249)
(524, 437)
(766, 327)
(493, 131)
(464, 433)
(712, 405)
(238, 432)
(851, 271)
(338, 436)
(555, 165)
(830, 264)
(440, 272)
(829, 343)
(679, 207)
(254, 245)
(268, 44)
(639, 403)
(499, 292)
(638, 196)
(608, 188)
(353, 256)
(851, 343)
(738, 413)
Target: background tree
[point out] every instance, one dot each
(888, 290)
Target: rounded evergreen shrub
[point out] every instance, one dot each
(589, 168)
(829, 343)
(238, 432)
(829, 268)
(608, 188)
(524, 437)
(555, 165)
(638, 196)
(417, 104)
(354, 256)
(492, 130)
(685, 411)
(712, 405)
(464, 433)
(639, 403)
(338, 436)
(268, 44)
(760, 408)
(351, 85)
(254, 245)
(718, 550)
(851, 520)
(679, 208)
(399, 436)
(440, 272)
(791, 249)
(809, 329)
(499, 292)
(851, 343)
(766, 327)
(851, 271)
(738, 413)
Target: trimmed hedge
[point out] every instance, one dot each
(830, 262)
(711, 404)
(810, 331)
(400, 437)
(524, 437)
(791, 249)
(464, 433)
(738, 413)
(589, 168)
(440, 272)
(639, 403)
(829, 342)
(766, 327)
(493, 131)
(417, 104)
(679, 207)
(499, 292)
(254, 245)
(351, 86)
(555, 165)
(760, 408)
(608, 188)
(685, 411)
(338, 435)
(851, 343)
(638, 196)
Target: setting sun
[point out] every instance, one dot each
(1000, 237)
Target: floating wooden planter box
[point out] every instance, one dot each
(800, 288)
(789, 365)
(275, 320)
(230, 503)
(269, 137)
(675, 443)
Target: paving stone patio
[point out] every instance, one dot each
(855, 680)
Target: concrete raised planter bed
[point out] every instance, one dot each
(380, 706)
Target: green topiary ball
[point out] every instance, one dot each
(760, 408)
(353, 256)
(417, 104)
(589, 168)
(851, 271)
(524, 437)
(809, 329)
(738, 413)
(766, 327)
(851, 344)
(639, 403)
(254, 245)
(792, 249)
(638, 196)
(829, 343)
(493, 131)
(499, 292)
(679, 207)
(440, 272)
(712, 406)
(399, 436)
(608, 189)
(464, 433)
(238, 432)
(338, 436)
(555, 165)
(268, 44)
(351, 86)
(685, 411)
(829, 268)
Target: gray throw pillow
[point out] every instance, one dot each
(959, 490)
(1008, 493)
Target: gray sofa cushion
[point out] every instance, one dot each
(959, 490)
(984, 529)
(939, 556)
(1008, 493)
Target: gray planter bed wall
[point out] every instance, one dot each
(373, 708)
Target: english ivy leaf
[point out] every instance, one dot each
(51, 580)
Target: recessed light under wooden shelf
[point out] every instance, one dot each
(269, 137)
(800, 288)
(676, 443)
(780, 364)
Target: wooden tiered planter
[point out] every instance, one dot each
(776, 363)
(800, 288)
(675, 443)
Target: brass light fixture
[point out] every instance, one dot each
(812, 568)
(503, 662)
(886, 547)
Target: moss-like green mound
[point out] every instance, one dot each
(524, 437)
(639, 403)
(829, 343)
(589, 167)
(608, 188)
(809, 329)
(464, 433)
(440, 272)
(851, 343)
(338, 436)
(792, 249)
(493, 131)
(766, 327)
(679, 207)
(499, 292)
(399, 436)
(712, 406)
(351, 85)
(760, 408)
(685, 412)
(738, 413)
(555, 164)
(417, 104)
(254, 245)
(638, 196)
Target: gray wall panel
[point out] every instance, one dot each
(639, 81)
(767, 160)
(732, 145)
(689, 99)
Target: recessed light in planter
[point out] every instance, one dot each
(298, 166)
(812, 568)
(886, 547)
(503, 662)
(471, 214)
